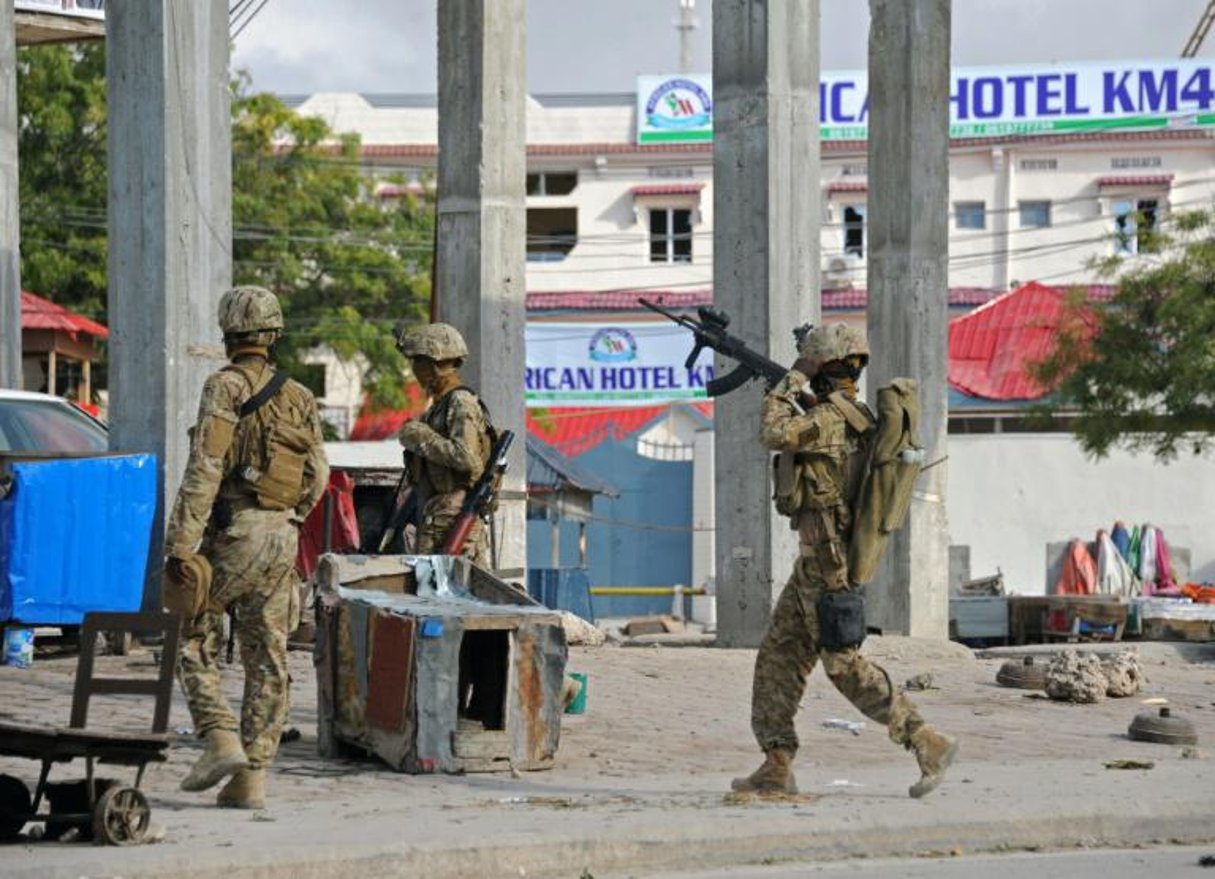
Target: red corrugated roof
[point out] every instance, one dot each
(379, 424)
(1137, 180)
(851, 299)
(847, 186)
(42, 314)
(992, 348)
(668, 189)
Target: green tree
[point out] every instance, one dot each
(305, 224)
(1140, 373)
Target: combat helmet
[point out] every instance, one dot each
(244, 311)
(834, 342)
(435, 341)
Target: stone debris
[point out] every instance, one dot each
(579, 631)
(1123, 675)
(1071, 677)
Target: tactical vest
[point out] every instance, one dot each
(829, 475)
(442, 479)
(894, 466)
(272, 441)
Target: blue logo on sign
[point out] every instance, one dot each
(679, 104)
(613, 345)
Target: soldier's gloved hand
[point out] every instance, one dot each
(175, 569)
(415, 433)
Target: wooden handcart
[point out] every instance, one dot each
(119, 814)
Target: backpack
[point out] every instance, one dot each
(894, 465)
(272, 446)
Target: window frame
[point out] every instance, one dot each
(669, 236)
(959, 211)
(1029, 204)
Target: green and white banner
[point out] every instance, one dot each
(984, 101)
(624, 364)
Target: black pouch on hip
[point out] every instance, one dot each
(841, 620)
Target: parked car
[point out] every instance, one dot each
(40, 423)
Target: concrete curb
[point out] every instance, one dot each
(669, 849)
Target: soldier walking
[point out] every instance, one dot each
(824, 450)
(256, 468)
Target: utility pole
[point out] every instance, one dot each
(10, 223)
(686, 24)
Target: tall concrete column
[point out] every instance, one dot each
(170, 224)
(482, 224)
(10, 223)
(767, 196)
(908, 285)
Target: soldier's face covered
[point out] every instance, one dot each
(435, 377)
(425, 372)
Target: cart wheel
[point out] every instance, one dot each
(118, 642)
(121, 817)
(14, 807)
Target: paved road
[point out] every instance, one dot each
(1173, 863)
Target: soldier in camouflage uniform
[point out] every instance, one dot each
(256, 468)
(448, 446)
(827, 434)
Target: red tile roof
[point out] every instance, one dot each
(431, 150)
(42, 314)
(992, 349)
(1137, 180)
(668, 189)
(847, 186)
(852, 299)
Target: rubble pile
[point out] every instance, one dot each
(1123, 675)
(1071, 677)
(1076, 677)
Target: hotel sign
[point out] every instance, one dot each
(983, 101)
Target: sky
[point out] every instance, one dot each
(306, 46)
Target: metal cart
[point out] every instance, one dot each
(118, 815)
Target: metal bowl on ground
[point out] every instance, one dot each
(1163, 727)
(1025, 674)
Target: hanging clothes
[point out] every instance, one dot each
(1166, 577)
(1147, 559)
(1079, 573)
(1114, 575)
(1122, 539)
(1132, 551)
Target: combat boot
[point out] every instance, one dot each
(223, 756)
(244, 790)
(934, 752)
(775, 776)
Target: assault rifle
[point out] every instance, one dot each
(478, 498)
(710, 332)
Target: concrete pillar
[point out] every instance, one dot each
(767, 196)
(481, 238)
(1002, 159)
(908, 285)
(10, 224)
(170, 224)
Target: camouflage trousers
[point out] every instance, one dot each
(438, 516)
(789, 652)
(254, 576)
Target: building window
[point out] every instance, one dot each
(312, 376)
(551, 233)
(1122, 163)
(1134, 220)
(970, 214)
(670, 235)
(551, 183)
(854, 229)
(1039, 164)
(1035, 214)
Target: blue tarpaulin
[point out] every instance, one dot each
(74, 537)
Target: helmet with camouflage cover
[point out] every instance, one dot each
(435, 341)
(247, 310)
(833, 342)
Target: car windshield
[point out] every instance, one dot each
(48, 426)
